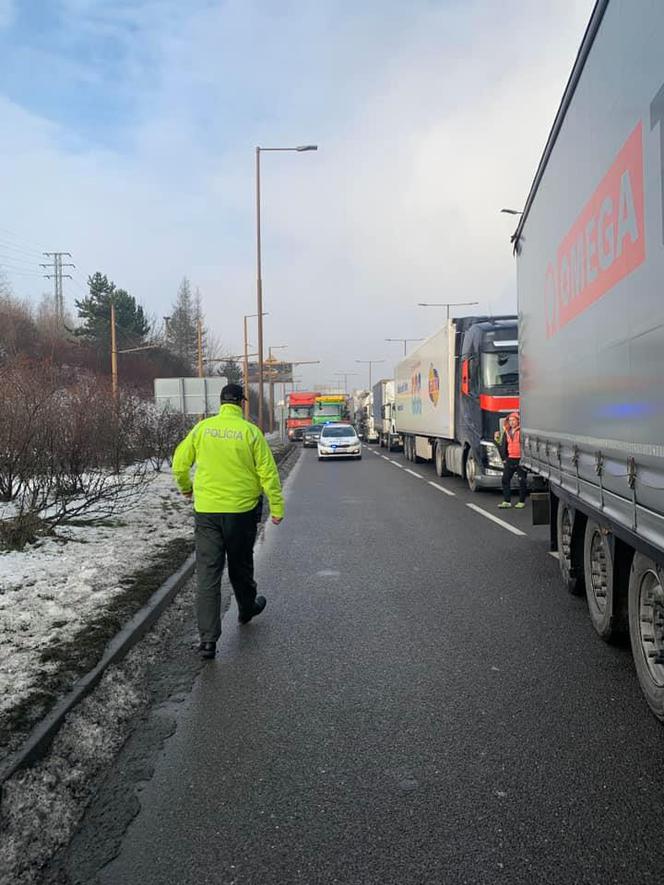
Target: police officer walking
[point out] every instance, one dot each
(234, 466)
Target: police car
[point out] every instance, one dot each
(339, 441)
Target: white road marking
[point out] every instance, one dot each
(442, 489)
(501, 522)
(384, 457)
(412, 473)
(554, 553)
(396, 463)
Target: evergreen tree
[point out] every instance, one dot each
(231, 370)
(181, 330)
(131, 324)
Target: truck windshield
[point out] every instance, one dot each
(328, 409)
(299, 412)
(500, 369)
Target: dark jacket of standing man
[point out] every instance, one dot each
(234, 466)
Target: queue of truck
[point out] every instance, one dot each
(582, 362)
(307, 408)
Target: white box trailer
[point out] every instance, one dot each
(452, 392)
(425, 387)
(590, 269)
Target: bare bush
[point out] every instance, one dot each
(161, 431)
(18, 333)
(26, 399)
(69, 451)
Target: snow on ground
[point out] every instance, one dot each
(52, 589)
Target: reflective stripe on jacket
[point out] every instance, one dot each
(234, 464)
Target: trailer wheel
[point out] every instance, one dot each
(601, 580)
(472, 472)
(409, 448)
(646, 629)
(441, 468)
(570, 550)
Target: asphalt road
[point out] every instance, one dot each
(420, 703)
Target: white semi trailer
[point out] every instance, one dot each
(590, 268)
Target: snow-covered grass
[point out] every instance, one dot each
(53, 590)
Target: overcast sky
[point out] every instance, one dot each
(128, 134)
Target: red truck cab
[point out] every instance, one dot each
(300, 412)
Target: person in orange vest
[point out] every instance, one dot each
(509, 446)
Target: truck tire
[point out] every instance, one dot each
(439, 460)
(408, 448)
(570, 550)
(646, 629)
(605, 601)
(472, 472)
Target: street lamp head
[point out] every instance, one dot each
(307, 147)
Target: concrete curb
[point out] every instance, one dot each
(39, 739)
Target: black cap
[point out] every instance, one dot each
(232, 393)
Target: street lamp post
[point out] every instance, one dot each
(405, 342)
(259, 277)
(370, 363)
(446, 304)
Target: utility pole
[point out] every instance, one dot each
(245, 361)
(115, 352)
(345, 376)
(114, 355)
(57, 276)
(199, 344)
(370, 363)
(271, 360)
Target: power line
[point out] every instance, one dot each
(21, 240)
(18, 265)
(29, 253)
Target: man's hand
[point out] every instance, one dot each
(276, 520)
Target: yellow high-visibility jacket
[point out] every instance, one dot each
(234, 465)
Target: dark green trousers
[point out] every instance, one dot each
(222, 536)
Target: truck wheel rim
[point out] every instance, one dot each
(471, 472)
(598, 572)
(651, 624)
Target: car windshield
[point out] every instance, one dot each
(337, 432)
(500, 369)
(314, 428)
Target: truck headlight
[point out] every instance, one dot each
(492, 455)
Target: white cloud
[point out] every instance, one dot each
(429, 119)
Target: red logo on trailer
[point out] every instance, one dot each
(605, 243)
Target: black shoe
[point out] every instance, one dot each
(208, 650)
(259, 605)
